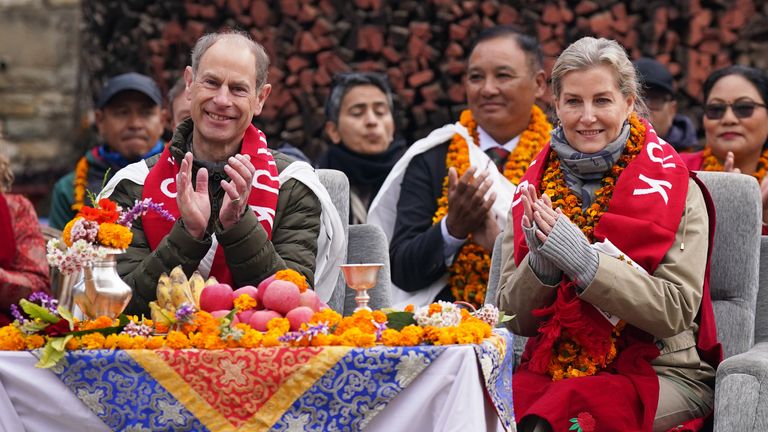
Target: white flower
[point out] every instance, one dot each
(449, 317)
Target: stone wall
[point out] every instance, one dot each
(39, 109)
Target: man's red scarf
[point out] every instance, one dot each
(160, 186)
(641, 220)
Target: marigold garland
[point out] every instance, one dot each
(710, 163)
(568, 359)
(468, 275)
(553, 183)
(79, 183)
(291, 275)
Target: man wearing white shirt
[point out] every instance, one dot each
(452, 190)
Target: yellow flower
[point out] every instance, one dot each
(291, 275)
(73, 344)
(251, 339)
(326, 315)
(155, 342)
(245, 302)
(176, 340)
(11, 339)
(281, 325)
(92, 341)
(114, 235)
(66, 233)
(35, 341)
(98, 323)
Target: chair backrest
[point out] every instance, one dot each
(735, 257)
(337, 185)
(761, 310)
(494, 274)
(368, 244)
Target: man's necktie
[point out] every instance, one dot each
(499, 156)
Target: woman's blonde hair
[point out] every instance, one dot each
(6, 174)
(589, 52)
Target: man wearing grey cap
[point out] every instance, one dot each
(674, 128)
(129, 117)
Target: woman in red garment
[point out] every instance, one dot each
(23, 267)
(618, 313)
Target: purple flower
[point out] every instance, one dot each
(44, 300)
(184, 312)
(17, 315)
(380, 327)
(308, 333)
(141, 208)
(133, 329)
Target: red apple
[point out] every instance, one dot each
(262, 288)
(224, 312)
(216, 297)
(259, 319)
(248, 289)
(245, 316)
(309, 299)
(281, 296)
(299, 316)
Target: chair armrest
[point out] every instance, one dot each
(368, 244)
(741, 391)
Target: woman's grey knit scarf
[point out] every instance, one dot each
(583, 171)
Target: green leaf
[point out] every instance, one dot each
(398, 320)
(106, 331)
(505, 318)
(575, 426)
(37, 311)
(53, 352)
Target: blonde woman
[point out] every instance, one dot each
(618, 312)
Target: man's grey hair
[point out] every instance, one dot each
(205, 42)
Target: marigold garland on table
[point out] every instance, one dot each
(468, 275)
(79, 184)
(710, 163)
(568, 359)
(444, 324)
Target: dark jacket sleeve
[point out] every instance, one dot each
(416, 249)
(61, 202)
(252, 257)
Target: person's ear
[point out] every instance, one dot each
(673, 105)
(541, 83)
(188, 79)
(332, 130)
(98, 120)
(261, 97)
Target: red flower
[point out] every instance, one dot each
(59, 329)
(586, 422)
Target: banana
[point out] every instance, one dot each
(196, 285)
(161, 315)
(180, 291)
(164, 291)
(211, 281)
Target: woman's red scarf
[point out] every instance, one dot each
(7, 237)
(160, 186)
(642, 221)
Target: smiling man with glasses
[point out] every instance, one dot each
(674, 128)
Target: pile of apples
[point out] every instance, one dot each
(275, 299)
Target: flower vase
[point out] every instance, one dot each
(101, 291)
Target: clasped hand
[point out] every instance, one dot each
(194, 202)
(469, 211)
(540, 211)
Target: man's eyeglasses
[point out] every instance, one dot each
(742, 110)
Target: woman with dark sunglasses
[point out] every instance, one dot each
(736, 126)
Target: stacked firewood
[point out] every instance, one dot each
(420, 45)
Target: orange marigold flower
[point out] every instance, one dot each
(73, 344)
(114, 235)
(11, 339)
(66, 233)
(327, 315)
(92, 341)
(408, 308)
(35, 341)
(281, 325)
(177, 340)
(98, 323)
(251, 339)
(379, 317)
(155, 342)
(291, 275)
(434, 308)
(245, 302)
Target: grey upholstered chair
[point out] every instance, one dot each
(365, 244)
(741, 392)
